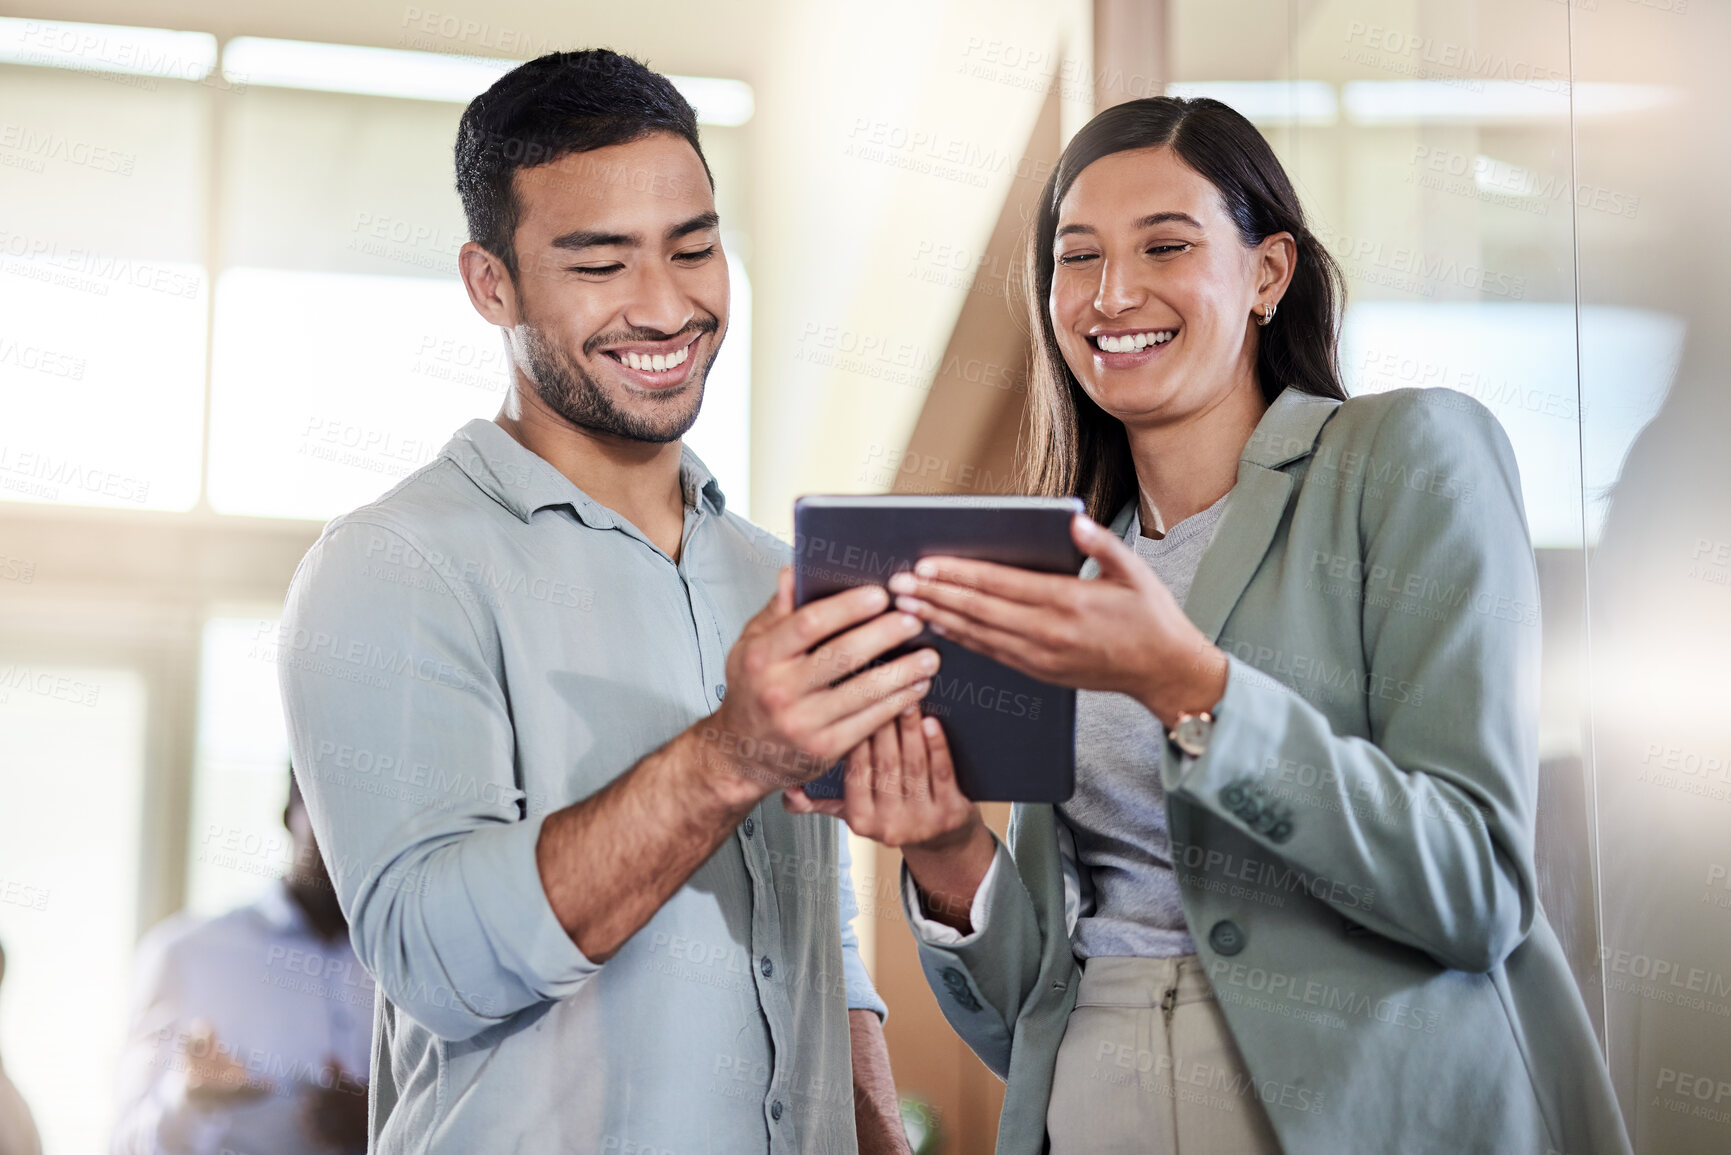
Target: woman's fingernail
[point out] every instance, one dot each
(921, 686)
(901, 583)
(930, 726)
(928, 660)
(937, 629)
(909, 622)
(911, 711)
(926, 569)
(910, 605)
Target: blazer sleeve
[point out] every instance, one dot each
(983, 979)
(1421, 832)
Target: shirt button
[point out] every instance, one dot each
(1226, 938)
(720, 691)
(775, 1109)
(767, 967)
(750, 826)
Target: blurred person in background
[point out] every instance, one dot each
(540, 676)
(251, 1030)
(17, 1127)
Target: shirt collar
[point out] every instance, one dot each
(524, 482)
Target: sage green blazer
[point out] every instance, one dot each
(1355, 847)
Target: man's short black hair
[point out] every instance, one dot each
(548, 108)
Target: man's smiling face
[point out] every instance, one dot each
(621, 286)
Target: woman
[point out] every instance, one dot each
(1291, 906)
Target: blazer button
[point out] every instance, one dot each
(1226, 938)
(957, 985)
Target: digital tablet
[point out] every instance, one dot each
(1013, 737)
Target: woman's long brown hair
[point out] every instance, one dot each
(1072, 446)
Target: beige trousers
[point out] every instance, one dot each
(1147, 1065)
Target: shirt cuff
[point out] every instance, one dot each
(861, 995)
(934, 933)
(521, 931)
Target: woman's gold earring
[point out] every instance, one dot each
(1267, 315)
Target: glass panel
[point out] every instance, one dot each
(72, 758)
(1650, 208)
(329, 388)
(102, 291)
(1431, 143)
(240, 782)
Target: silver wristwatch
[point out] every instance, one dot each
(1191, 733)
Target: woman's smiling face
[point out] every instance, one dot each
(1153, 290)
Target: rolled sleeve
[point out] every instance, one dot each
(499, 870)
(862, 995)
(402, 742)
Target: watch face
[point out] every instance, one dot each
(1191, 734)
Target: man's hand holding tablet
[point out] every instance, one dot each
(803, 690)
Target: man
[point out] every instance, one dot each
(530, 679)
(250, 1031)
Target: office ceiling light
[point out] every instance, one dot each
(396, 72)
(1307, 102)
(1380, 102)
(159, 52)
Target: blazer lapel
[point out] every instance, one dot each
(1286, 433)
(1246, 529)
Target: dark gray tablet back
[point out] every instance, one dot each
(1013, 737)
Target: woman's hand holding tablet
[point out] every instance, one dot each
(1122, 631)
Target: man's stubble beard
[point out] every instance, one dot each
(572, 392)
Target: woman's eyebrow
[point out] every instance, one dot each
(1168, 218)
(1146, 222)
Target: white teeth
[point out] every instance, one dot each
(658, 362)
(1132, 342)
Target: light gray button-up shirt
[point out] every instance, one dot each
(479, 647)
